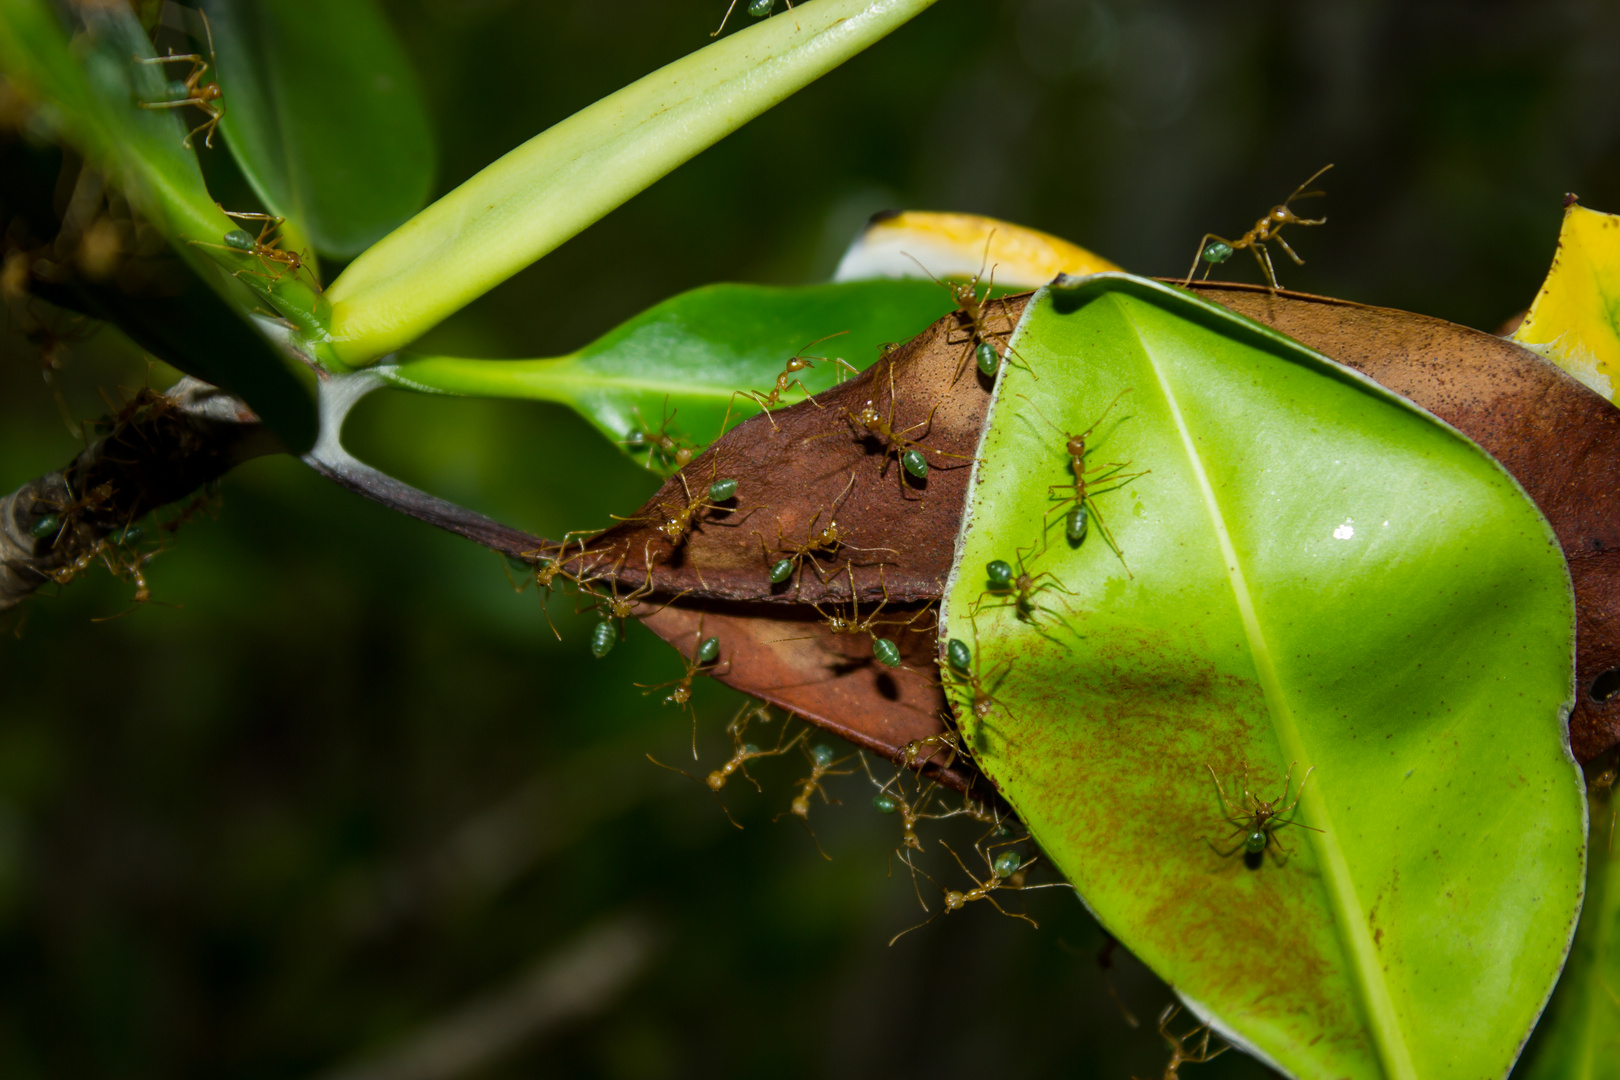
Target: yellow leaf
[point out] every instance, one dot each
(905, 244)
(1575, 319)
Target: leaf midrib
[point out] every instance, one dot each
(1393, 1052)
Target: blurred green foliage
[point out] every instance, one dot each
(234, 833)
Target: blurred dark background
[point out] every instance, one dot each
(344, 803)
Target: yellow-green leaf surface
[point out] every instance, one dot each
(556, 184)
(1575, 318)
(1321, 573)
(915, 243)
(1580, 1037)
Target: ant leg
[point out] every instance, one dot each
(1262, 255)
(1011, 914)
(1288, 250)
(1199, 254)
(1226, 802)
(727, 18)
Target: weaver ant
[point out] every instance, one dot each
(679, 521)
(911, 755)
(1257, 821)
(1081, 502)
(827, 540)
(614, 608)
(884, 650)
(547, 568)
(795, 363)
(1268, 228)
(742, 753)
(191, 92)
(670, 450)
(963, 665)
(757, 9)
(703, 661)
(870, 423)
(971, 308)
(66, 514)
(1179, 1053)
(822, 765)
(1006, 872)
(264, 247)
(1017, 592)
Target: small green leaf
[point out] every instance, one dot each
(1579, 1039)
(674, 369)
(561, 181)
(1310, 572)
(324, 116)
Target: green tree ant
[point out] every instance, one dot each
(192, 92)
(1179, 1053)
(963, 665)
(265, 247)
(1018, 592)
(870, 423)
(678, 522)
(703, 661)
(795, 363)
(742, 753)
(670, 450)
(547, 567)
(1268, 228)
(827, 541)
(1257, 821)
(947, 742)
(612, 607)
(1081, 500)
(823, 763)
(971, 316)
(1005, 873)
(757, 9)
(884, 650)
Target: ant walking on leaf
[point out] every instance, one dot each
(742, 752)
(1257, 821)
(870, 423)
(612, 607)
(964, 665)
(192, 92)
(1018, 592)
(1006, 872)
(1080, 502)
(669, 449)
(981, 344)
(823, 760)
(826, 541)
(1267, 229)
(1180, 1052)
(795, 364)
(884, 650)
(679, 519)
(703, 661)
(266, 248)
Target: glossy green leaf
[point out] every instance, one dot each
(1319, 573)
(564, 179)
(324, 116)
(1579, 1039)
(684, 359)
(87, 92)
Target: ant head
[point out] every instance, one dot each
(868, 415)
(1077, 446)
(965, 293)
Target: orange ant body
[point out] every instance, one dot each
(911, 756)
(1006, 872)
(613, 607)
(703, 661)
(661, 442)
(981, 343)
(1017, 592)
(1257, 821)
(822, 765)
(266, 248)
(906, 450)
(884, 650)
(964, 667)
(1267, 229)
(205, 99)
(827, 540)
(1080, 501)
(796, 363)
(1179, 1053)
(678, 523)
(742, 753)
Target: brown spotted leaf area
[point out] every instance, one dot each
(813, 465)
